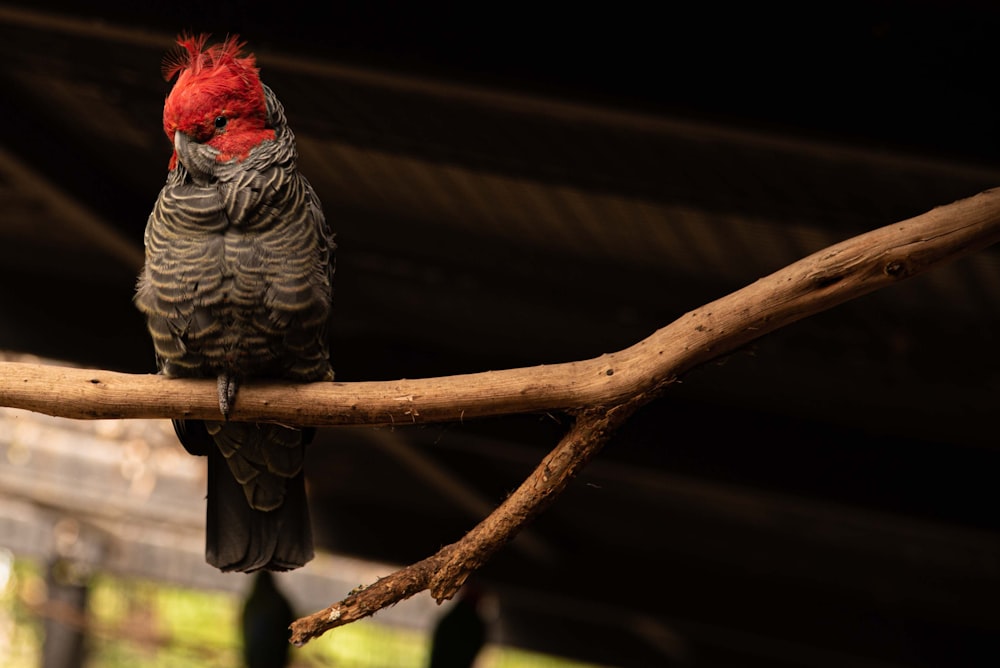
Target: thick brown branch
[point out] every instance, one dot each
(822, 280)
(604, 391)
(615, 385)
(445, 572)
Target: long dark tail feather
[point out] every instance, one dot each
(194, 437)
(239, 537)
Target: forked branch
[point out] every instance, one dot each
(603, 391)
(445, 572)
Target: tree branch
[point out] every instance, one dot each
(829, 277)
(446, 571)
(603, 391)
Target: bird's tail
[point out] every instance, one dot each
(257, 516)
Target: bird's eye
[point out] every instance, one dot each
(220, 122)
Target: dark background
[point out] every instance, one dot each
(536, 184)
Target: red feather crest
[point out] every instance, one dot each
(191, 55)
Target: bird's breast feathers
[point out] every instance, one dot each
(234, 271)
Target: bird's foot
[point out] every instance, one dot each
(227, 393)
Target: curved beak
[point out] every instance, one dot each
(181, 142)
(198, 162)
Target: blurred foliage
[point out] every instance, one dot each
(20, 630)
(141, 623)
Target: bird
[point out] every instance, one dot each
(460, 633)
(237, 284)
(265, 619)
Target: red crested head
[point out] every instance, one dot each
(218, 98)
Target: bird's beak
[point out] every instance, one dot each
(199, 163)
(181, 142)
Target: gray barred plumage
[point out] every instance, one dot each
(237, 284)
